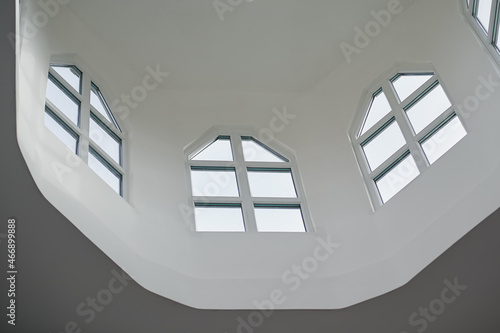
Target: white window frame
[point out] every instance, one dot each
(241, 166)
(84, 142)
(488, 38)
(414, 141)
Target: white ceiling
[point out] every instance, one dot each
(273, 46)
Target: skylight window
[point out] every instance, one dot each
(240, 184)
(418, 123)
(91, 133)
(484, 15)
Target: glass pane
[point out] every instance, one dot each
(64, 135)
(70, 74)
(62, 101)
(384, 145)
(484, 13)
(255, 152)
(219, 150)
(271, 184)
(103, 171)
(97, 102)
(396, 179)
(407, 84)
(103, 139)
(426, 110)
(279, 219)
(222, 219)
(213, 183)
(444, 139)
(378, 109)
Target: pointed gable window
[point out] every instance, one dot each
(408, 118)
(240, 184)
(78, 114)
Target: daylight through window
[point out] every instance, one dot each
(239, 184)
(484, 18)
(78, 114)
(408, 119)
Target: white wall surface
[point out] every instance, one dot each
(379, 251)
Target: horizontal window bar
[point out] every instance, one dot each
(392, 165)
(422, 95)
(397, 76)
(286, 206)
(210, 168)
(377, 132)
(61, 122)
(215, 204)
(437, 128)
(105, 127)
(105, 162)
(258, 169)
(62, 86)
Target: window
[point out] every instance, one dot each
(238, 184)
(78, 114)
(484, 18)
(404, 127)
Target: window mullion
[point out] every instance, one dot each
(492, 28)
(243, 184)
(415, 148)
(491, 25)
(85, 119)
(406, 128)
